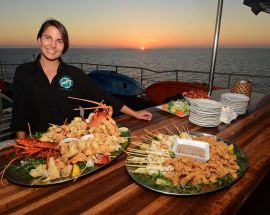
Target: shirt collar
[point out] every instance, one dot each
(61, 66)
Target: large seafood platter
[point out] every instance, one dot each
(65, 152)
(185, 163)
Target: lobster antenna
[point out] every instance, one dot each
(29, 129)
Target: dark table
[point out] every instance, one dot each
(112, 191)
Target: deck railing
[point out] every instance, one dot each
(144, 75)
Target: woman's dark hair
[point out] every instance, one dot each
(60, 27)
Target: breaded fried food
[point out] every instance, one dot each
(188, 170)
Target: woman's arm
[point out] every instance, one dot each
(141, 114)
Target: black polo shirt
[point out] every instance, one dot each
(39, 102)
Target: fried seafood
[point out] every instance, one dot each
(53, 170)
(184, 170)
(101, 141)
(187, 170)
(39, 171)
(75, 129)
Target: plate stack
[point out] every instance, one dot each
(205, 112)
(238, 102)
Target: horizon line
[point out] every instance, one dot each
(232, 47)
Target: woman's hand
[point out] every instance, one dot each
(141, 114)
(20, 134)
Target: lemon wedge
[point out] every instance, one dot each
(123, 129)
(76, 170)
(231, 147)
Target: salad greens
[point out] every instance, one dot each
(178, 106)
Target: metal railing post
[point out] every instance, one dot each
(141, 76)
(1, 105)
(2, 75)
(229, 81)
(176, 78)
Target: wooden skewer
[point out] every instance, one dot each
(136, 153)
(75, 178)
(134, 165)
(29, 129)
(157, 132)
(148, 137)
(145, 138)
(151, 133)
(124, 150)
(136, 144)
(179, 132)
(38, 179)
(130, 162)
(147, 153)
(136, 136)
(101, 103)
(131, 157)
(170, 132)
(136, 150)
(134, 158)
(54, 124)
(133, 136)
(182, 130)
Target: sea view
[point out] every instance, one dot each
(250, 61)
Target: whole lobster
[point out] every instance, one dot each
(24, 148)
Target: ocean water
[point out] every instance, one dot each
(229, 60)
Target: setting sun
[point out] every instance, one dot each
(142, 48)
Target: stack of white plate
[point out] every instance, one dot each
(238, 102)
(205, 112)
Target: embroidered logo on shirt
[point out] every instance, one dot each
(66, 82)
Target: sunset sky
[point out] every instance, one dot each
(135, 23)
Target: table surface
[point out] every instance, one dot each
(112, 191)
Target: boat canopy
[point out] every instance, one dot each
(258, 5)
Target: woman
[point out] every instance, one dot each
(42, 87)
